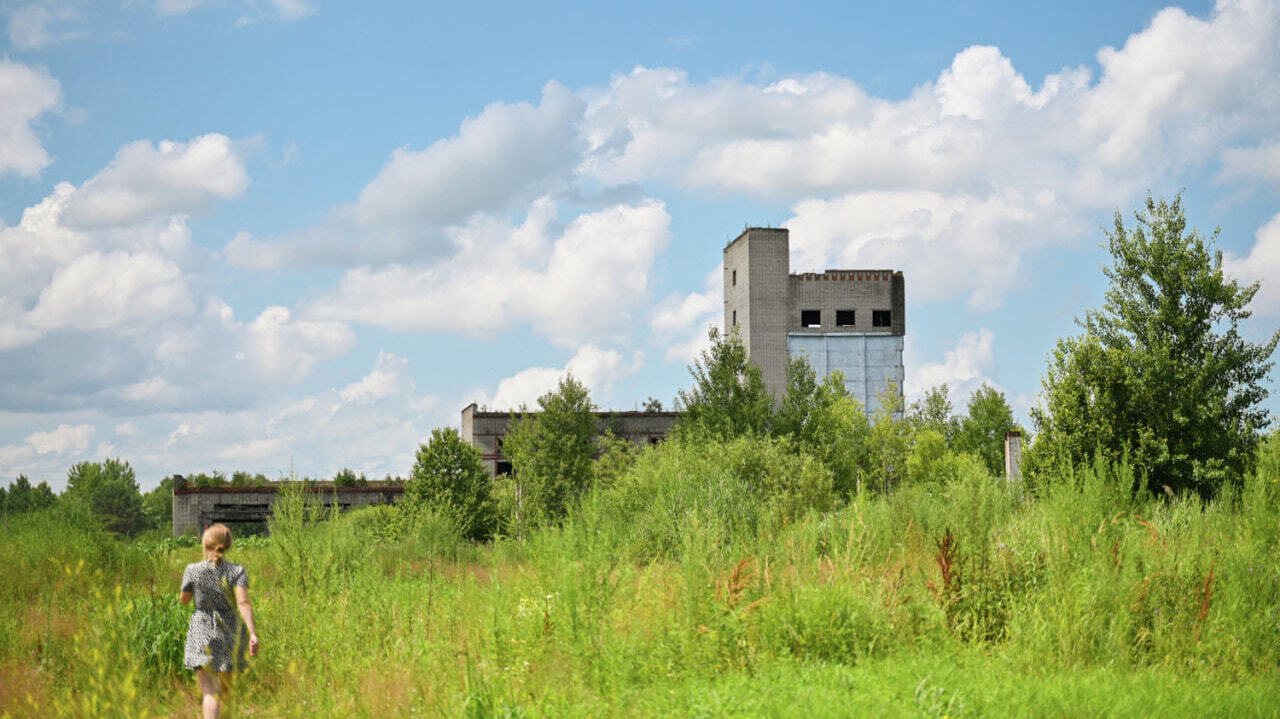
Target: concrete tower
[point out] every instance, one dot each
(848, 320)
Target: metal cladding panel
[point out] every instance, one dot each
(867, 361)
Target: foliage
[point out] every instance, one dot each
(449, 475)
(110, 491)
(617, 455)
(982, 430)
(934, 412)
(21, 496)
(157, 505)
(824, 422)
(1161, 371)
(348, 478)
(890, 443)
(653, 404)
(551, 452)
(729, 398)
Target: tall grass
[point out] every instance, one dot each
(723, 580)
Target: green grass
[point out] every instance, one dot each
(683, 590)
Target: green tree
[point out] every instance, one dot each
(348, 478)
(728, 398)
(157, 505)
(982, 431)
(890, 442)
(1161, 371)
(653, 404)
(23, 497)
(934, 411)
(110, 490)
(552, 450)
(449, 474)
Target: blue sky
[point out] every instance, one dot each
(269, 233)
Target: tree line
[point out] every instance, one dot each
(1161, 378)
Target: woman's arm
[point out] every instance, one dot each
(246, 612)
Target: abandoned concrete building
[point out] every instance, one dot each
(249, 508)
(848, 320)
(486, 430)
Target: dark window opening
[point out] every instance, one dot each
(844, 318)
(735, 318)
(654, 439)
(810, 318)
(503, 468)
(735, 278)
(881, 318)
(497, 444)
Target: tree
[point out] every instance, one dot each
(934, 411)
(347, 477)
(449, 474)
(551, 451)
(653, 404)
(110, 491)
(22, 497)
(1161, 371)
(983, 430)
(157, 505)
(728, 398)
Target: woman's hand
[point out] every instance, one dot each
(253, 645)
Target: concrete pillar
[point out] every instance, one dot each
(1013, 456)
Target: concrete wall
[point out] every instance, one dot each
(868, 362)
(195, 509)
(486, 430)
(765, 301)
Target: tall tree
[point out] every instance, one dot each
(23, 497)
(1161, 371)
(449, 474)
(552, 450)
(934, 411)
(110, 490)
(983, 429)
(728, 398)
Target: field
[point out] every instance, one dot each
(680, 590)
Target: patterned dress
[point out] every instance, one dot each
(216, 637)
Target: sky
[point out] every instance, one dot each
(296, 235)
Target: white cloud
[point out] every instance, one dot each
(26, 93)
(963, 369)
(507, 155)
(279, 346)
(63, 439)
(583, 284)
(172, 178)
(389, 376)
(1261, 162)
(1262, 264)
(683, 322)
(97, 291)
(597, 369)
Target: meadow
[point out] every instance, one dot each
(681, 587)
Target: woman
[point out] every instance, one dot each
(216, 639)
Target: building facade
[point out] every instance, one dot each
(848, 320)
(486, 431)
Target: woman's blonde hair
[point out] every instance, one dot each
(216, 541)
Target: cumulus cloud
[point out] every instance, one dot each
(963, 368)
(62, 439)
(26, 93)
(284, 9)
(1262, 264)
(597, 369)
(172, 178)
(682, 321)
(1261, 162)
(582, 284)
(97, 291)
(506, 156)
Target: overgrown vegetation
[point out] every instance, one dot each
(790, 559)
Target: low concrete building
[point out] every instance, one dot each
(196, 508)
(486, 431)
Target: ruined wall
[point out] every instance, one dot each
(195, 509)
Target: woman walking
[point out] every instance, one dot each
(216, 638)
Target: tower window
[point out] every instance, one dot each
(881, 318)
(810, 318)
(735, 278)
(844, 318)
(735, 318)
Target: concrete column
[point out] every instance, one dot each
(1013, 456)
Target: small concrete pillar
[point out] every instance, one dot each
(1013, 456)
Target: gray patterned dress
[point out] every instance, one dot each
(216, 637)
